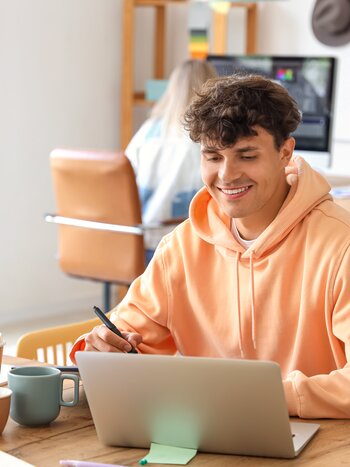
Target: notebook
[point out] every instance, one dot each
(3, 374)
(214, 405)
(11, 461)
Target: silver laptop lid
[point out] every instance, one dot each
(213, 405)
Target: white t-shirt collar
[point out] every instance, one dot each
(242, 241)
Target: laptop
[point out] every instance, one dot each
(223, 406)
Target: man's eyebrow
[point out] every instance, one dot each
(208, 150)
(212, 150)
(248, 149)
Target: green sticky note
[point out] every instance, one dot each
(162, 454)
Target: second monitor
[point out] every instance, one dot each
(310, 80)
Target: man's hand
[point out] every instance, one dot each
(103, 340)
(293, 171)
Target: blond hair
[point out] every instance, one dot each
(184, 83)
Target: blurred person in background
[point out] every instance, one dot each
(165, 160)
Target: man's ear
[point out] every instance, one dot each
(286, 151)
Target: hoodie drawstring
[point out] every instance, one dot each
(238, 305)
(252, 301)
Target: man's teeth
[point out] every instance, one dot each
(234, 192)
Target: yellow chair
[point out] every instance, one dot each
(52, 345)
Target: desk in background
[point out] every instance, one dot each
(72, 436)
(345, 203)
(337, 180)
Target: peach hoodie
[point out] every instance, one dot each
(286, 298)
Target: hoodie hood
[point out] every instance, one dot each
(213, 226)
(308, 190)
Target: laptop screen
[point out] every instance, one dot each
(310, 80)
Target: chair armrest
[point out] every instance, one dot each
(139, 229)
(62, 220)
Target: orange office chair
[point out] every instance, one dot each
(99, 216)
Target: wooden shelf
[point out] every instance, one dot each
(140, 99)
(129, 97)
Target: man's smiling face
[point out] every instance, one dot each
(247, 179)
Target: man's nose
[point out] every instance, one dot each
(229, 171)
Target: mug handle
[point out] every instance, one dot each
(75, 400)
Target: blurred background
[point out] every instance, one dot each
(60, 86)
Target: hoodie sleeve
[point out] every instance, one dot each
(146, 306)
(327, 395)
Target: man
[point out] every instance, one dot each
(261, 268)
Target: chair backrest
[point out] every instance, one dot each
(97, 186)
(52, 345)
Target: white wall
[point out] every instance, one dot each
(60, 64)
(59, 86)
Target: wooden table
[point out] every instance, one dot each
(72, 436)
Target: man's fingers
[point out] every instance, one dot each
(104, 340)
(134, 338)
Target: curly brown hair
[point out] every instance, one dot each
(228, 108)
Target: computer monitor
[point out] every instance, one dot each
(311, 81)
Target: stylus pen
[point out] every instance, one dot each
(111, 326)
(71, 463)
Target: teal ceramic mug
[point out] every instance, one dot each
(37, 394)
